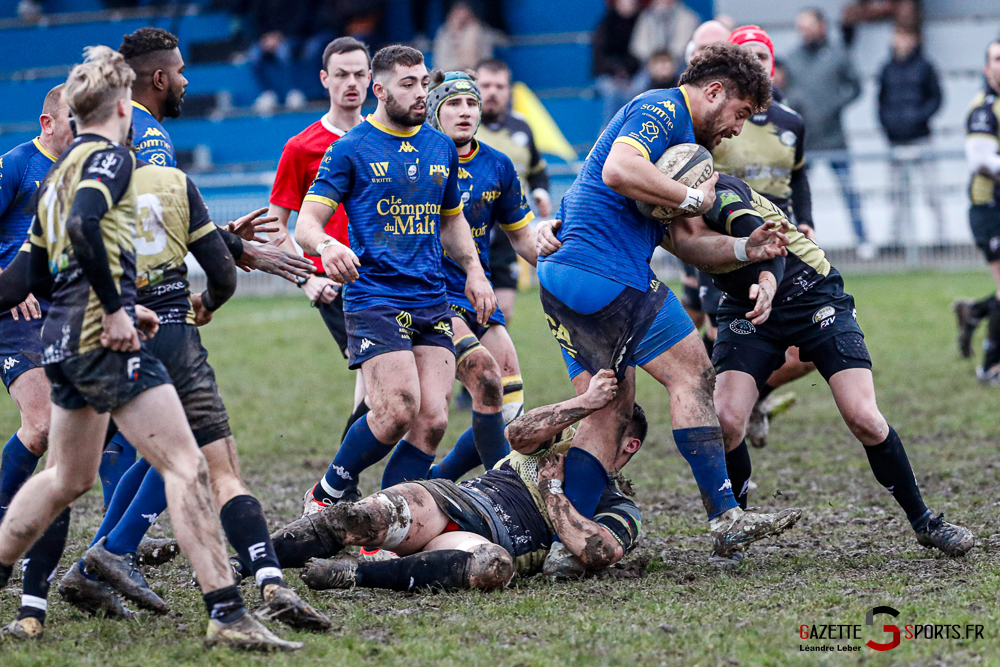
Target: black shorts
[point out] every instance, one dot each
(709, 295)
(503, 262)
(104, 379)
(20, 346)
(179, 348)
(333, 317)
(822, 323)
(985, 224)
(381, 329)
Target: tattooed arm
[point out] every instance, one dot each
(534, 428)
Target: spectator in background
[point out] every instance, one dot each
(708, 33)
(904, 12)
(463, 40)
(909, 95)
(280, 27)
(780, 78)
(664, 24)
(613, 66)
(821, 82)
(659, 72)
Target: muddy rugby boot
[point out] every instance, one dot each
(321, 574)
(735, 528)
(949, 538)
(560, 563)
(246, 633)
(283, 604)
(92, 596)
(758, 426)
(155, 552)
(123, 574)
(23, 629)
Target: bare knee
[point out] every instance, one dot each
(398, 413)
(481, 375)
(733, 424)
(34, 431)
(490, 567)
(868, 426)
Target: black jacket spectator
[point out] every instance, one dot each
(610, 44)
(908, 96)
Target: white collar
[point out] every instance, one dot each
(330, 127)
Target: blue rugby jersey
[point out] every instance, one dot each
(603, 231)
(21, 171)
(152, 142)
(491, 193)
(395, 186)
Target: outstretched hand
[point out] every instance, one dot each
(768, 241)
(270, 258)
(253, 223)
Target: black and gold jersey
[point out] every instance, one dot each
(512, 136)
(172, 216)
(984, 121)
(74, 323)
(766, 153)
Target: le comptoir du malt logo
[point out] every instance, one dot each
(830, 637)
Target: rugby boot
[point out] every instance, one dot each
(777, 405)
(734, 529)
(123, 574)
(376, 555)
(560, 563)
(950, 539)
(23, 629)
(154, 552)
(758, 426)
(246, 633)
(321, 574)
(92, 596)
(283, 604)
(990, 377)
(967, 324)
(734, 558)
(312, 505)
(240, 576)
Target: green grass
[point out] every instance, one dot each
(289, 393)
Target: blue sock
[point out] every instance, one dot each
(148, 504)
(127, 487)
(406, 464)
(702, 447)
(462, 458)
(360, 450)
(586, 480)
(491, 443)
(16, 466)
(117, 458)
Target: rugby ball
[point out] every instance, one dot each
(689, 164)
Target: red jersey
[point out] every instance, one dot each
(297, 168)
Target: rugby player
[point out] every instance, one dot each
(605, 306)
(768, 156)
(398, 181)
(982, 151)
(492, 196)
(812, 311)
(346, 76)
(92, 353)
(480, 533)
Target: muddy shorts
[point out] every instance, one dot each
(333, 317)
(20, 346)
(381, 329)
(104, 379)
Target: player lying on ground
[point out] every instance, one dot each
(810, 310)
(480, 533)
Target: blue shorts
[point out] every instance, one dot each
(20, 346)
(461, 307)
(381, 329)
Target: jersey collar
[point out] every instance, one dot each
(330, 127)
(139, 106)
(687, 101)
(473, 154)
(41, 149)
(392, 132)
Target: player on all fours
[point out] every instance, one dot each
(768, 155)
(810, 310)
(346, 76)
(982, 151)
(480, 533)
(600, 294)
(398, 181)
(82, 251)
(492, 196)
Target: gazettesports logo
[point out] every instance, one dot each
(891, 635)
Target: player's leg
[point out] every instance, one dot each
(480, 373)
(30, 391)
(361, 406)
(414, 455)
(506, 298)
(766, 408)
(735, 395)
(990, 370)
(116, 459)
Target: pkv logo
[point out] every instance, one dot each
(891, 629)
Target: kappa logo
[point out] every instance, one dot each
(742, 327)
(379, 168)
(726, 485)
(823, 313)
(132, 368)
(152, 132)
(407, 147)
(9, 363)
(404, 319)
(669, 106)
(444, 326)
(462, 173)
(151, 518)
(365, 344)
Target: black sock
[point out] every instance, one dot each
(709, 344)
(991, 345)
(892, 470)
(440, 570)
(358, 413)
(246, 529)
(981, 308)
(5, 572)
(40, 564)
(765, 391)
(739, 467)
(225, 604)
(303, 539)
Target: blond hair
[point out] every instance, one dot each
(96, 84)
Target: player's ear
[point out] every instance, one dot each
(632, 445)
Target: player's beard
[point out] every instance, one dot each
(402, 116)
(710, 127)
(172, 104)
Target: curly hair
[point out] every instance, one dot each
(145, 41)
(95, 84)
(739, 71)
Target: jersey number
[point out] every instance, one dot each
(151, 239)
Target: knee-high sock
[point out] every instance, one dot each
(246, 529)
(142, 512)
(118, 457)
(491, 443)
(462, 458)
(406, 464)
(358, 413)
(982, 308)
(513, 397)
(586, 480)
(443, 570)
(703, 449)
(991, 345)
(16, 465)
(40, 566)
(739, 467)
(125, 492)
(892, 470)
(360, 450)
